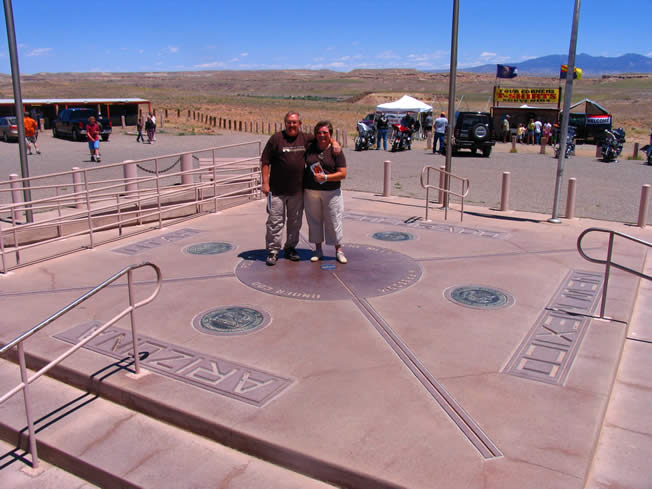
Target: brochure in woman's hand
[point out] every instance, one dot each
(316, 168)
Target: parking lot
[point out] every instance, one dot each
(608, 191)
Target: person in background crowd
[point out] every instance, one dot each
(150, 127)
(547, 132)
(154, 132)
(520, 133)
(427, 125)
(382, 125)
(322, 195)
(93, 131)
(408, 121)
(441, 124)
(537, 131)
(506, 128)
(31, 128)
(530, 132)
(649, 149)
(555, 133)
(139, 128)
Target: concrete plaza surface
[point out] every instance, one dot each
(455, 355)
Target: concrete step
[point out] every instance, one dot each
(110, 446)
(624, 449)
(16, 474)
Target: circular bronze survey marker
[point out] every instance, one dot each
(371, 271)
(392, 236)
(479, 297)
(230, 320)
(212, 248)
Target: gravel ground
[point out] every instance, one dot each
(604, 191)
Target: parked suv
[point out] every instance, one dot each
(474, 131)
(72, 123)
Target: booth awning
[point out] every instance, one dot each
(404, 104)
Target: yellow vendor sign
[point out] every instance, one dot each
(527, 95)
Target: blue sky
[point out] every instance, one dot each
(166, 35)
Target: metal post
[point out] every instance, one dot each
(451, 101)
(504, 194)
(570, 199)
(130, 173)
(427, 193)
(607, 270)
(635, 153)
(15, 194)
(18, 103)
(643, 207)
(186, 169)
(28, 406)
(387, 179)
(564, 120)
(442, 177)
(77, 186)
(132, 317)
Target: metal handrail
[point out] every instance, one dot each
(608, 262)
(466, 186)
(18, 342)
(89, 206)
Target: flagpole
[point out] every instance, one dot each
(18, 103)
(451, 102)
(565, 116)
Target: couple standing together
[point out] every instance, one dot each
(301, 170)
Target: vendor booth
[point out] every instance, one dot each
(397, 109)
(404, 105)
(591, 123)
(523, 104)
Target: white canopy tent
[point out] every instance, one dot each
(404, 104)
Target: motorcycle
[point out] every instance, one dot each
(612, 144)
(402, 138)
(648, 152)
(570, 143)
(366, 137)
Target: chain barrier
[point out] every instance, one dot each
(160, 171)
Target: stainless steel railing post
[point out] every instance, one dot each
(28, 406)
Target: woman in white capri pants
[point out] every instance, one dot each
(322, 196)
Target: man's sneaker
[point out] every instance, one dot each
(271, 259)
(92, 158)
(291, 254)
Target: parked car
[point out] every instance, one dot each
(474, 131)
(72, 123)
(8, 128)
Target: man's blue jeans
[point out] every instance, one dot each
(382, 133)
(439, 136)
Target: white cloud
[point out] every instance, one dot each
(387, 55)
(487, 55)
(173, 49)
(39, 51)
(244, 55)
(141, 51)
(648, 54)
(212, 64)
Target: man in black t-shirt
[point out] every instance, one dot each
(382, 125)
(282, 164)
